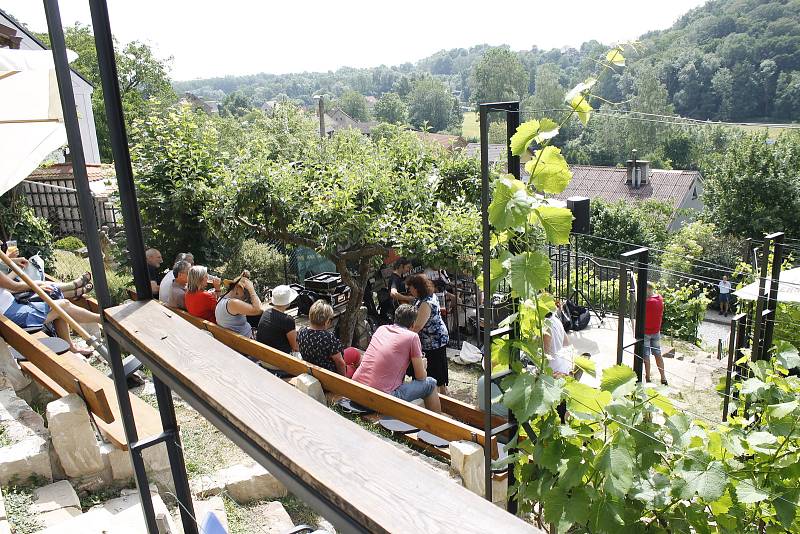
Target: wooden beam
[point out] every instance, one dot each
(67, 370)
(439, 425)
(377, 486)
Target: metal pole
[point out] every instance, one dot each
(321, 117)
(772, 299)
(623, 304)
(512, 123)
(119, 144)
(732, 341)
(760, 301)
(483, 110)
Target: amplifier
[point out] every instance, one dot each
(323, 282)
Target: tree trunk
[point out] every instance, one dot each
(357, 285)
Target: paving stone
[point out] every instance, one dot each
(466, 458)
(29, 454)
(118, 461)
(214, 504)
(56, 517)
(251, 483)
(73, 437)
(274, 518)
(207, 486)
(9, 369)
(310, 386)
(54, 496)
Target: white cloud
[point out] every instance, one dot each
(213, 38)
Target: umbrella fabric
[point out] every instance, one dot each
(788, 287)
(31, 121)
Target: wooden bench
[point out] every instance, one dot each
(62, 374)
(366, 479)
(439, 425)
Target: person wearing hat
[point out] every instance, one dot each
(275, 328)
(236, 304)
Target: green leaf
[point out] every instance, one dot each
(781, 410)
(524, 136)
(708, 484)
(786, 507)
(616, 461)
(554, 503)
(583, 399)
(753, 386)
(547, 130)
(585, 364)
(528, 395)
(578, 509)
(748, 493)
(615, 57)
(661, 402)
(582, 108)
(787, 355)
(761, 441)
(501, 351)
(511, 203)
(530, 273)
(618, 380)
(571, 472)
(557, 223)
(549, 170)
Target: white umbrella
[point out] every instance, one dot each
(31, 121)
(788, 287)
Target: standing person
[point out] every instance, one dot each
(431, 328)
(154, 261)
(397, 285)
(240, 301)
(654, 312)
(276, 329)
(391, 350)
(177, 290)
(724, 295)
(199, 302)
(165, 285)
(318, 345)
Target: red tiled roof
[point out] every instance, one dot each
(446, 140)
(102, 171)
(609, 184)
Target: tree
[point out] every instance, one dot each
(498, 76)
(622, 224)
(695, 249)
(754, 188)
(430, 102)
(235, 105)
(391, 108)
(354, 104)
(787, 96)
(351, 202)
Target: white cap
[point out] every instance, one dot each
(283, 295)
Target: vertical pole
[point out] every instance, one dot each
(321, 117)
(483, 112)
(760, 301)
(772, 298)
(623, 304)
(641, 311)
(169, 423)
(719, 348)
(729, 367)
(119, 143)
(512, 123)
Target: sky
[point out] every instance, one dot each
(209, 38)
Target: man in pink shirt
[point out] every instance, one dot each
(385, 361)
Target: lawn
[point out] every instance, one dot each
(772, 132)
(470, 129)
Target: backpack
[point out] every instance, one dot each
(577, 316)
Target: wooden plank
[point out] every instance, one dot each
(42, 378)
(467, 413)
(64, 369)
(444, 427)
(368, 479)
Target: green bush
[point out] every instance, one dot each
(264, 261)
(18, 221)
(70, 243)
(67, 266)
(684, 310)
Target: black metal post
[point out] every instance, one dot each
(732, 348)
(772, 298)
(119, 144)
(642, 258)
(623, 304)
(512, 123)
(760, 300)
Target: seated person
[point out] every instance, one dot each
(318, 345)
(36, 313)
(276, 329)
(165, 286)
(383, 365)
(199, 301)
(240, 301)
(176, 294)
(72, 289)
(555, 339)
(154, 261)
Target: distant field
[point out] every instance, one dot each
(470, 129)
(773, 132)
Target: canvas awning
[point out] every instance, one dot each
(788, 287)
(31, 121)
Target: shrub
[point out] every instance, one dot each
(684, 310)
(19, 222)
(264, 261)
(70, 243)
(67, 266)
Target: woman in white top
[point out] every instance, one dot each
(555, 339)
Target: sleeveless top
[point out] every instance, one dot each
(434, 333)
(237, 323)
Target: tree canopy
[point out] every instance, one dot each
(431, 105)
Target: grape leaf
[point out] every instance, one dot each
(615, 57)
(587, 365)
(583, 399)
(510, 203)
(582, 108)
(618, 380)
(781, 410)
(524, 136)
(530, 272)
(748, 493)
(557, 223)
(548, 129)
(549, 170)
(753, 386)
(616, 461)
(709, 484)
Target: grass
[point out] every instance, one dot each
(5, 441)
(470, 129)
(246, 519)
(94, 498)
(18, 502)
(205, 448)
(67, 266)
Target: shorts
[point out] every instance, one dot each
(416, 389)
(724, 297)
(437, 365)
(30, 315)
(652, 344)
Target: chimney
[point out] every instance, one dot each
(638, 171)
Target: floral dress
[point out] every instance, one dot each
(434, 333)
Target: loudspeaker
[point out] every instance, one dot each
(579, 206)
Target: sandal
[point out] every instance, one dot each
(83, 280)
(79, 292)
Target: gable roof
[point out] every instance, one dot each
(497, 151)
(94, 172)
(608, 183)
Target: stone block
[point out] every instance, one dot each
(246, 484)
(310, 386)
(156, 457)
(466, 458)
(207, 486)
(56, 517)
(54, 496)
(500, 491)
(118, 461)
(9, 369)
(274, 518)
(73, 437)
(214, 504)
(27, 458)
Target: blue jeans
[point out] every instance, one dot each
(416, 389)
(652, 344)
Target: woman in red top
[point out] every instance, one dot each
(199, 302)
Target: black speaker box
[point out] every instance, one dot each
(579, 206)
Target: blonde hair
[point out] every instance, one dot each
(195, 280)
(320, 313)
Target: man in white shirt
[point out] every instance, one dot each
(724, 295)
(164, 288)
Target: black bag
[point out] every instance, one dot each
(304, 301)
(579, 316)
